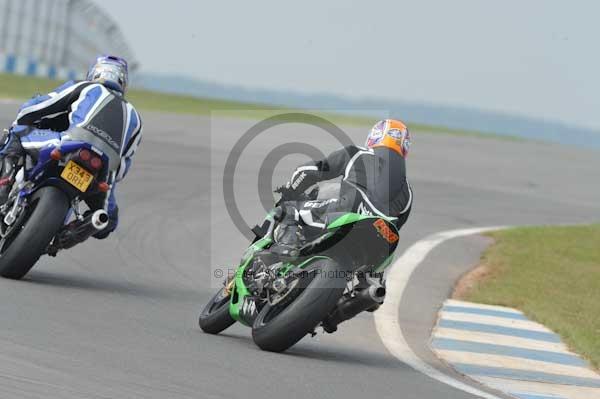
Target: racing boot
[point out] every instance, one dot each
(288, 233)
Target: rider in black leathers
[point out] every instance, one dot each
(373, 182)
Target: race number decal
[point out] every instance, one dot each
(385, 231)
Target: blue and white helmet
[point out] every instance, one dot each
(110, 71)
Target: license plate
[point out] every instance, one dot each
(77, 176)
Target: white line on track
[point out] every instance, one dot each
(386, 317)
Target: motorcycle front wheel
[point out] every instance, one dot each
(215, 316)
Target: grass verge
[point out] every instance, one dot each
(23, 87)
(552, 274)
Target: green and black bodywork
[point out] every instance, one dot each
(285, 294)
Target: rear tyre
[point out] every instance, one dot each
(215, 316)
(43, 218)
(279, 326)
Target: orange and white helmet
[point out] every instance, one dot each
(392, 134)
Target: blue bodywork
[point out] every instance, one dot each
(37, 175)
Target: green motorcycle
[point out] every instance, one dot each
(285, 292)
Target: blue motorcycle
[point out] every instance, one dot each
(45, 211)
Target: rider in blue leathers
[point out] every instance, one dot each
(96, 104)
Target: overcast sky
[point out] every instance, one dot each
(538, 58)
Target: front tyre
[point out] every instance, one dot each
(280, 325)
(215, 316)
(44, 216)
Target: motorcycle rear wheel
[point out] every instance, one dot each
(280, 326)
(43, 218)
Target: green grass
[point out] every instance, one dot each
(552, 274)
(23, 87)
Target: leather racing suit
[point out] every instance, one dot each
(104, 115)
(373, 182)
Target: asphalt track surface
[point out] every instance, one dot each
(118, 318)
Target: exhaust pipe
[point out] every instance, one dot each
(78, 231)
(348, 307)
(99, 220)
